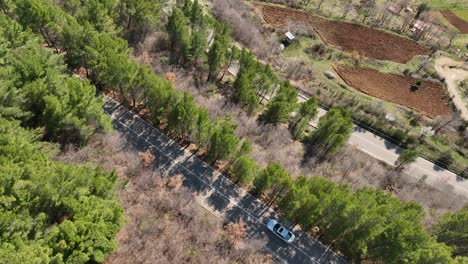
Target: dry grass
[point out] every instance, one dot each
(275, 144)
(164, 224)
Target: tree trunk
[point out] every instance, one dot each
(442, 126)
(129, 23)
(45, 37)
(85, 62)
(227, 67)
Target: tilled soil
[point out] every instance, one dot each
(456, 21)
(367, 41)
(430, 98)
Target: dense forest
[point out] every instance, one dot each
(57, 212)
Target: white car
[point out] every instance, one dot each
(281, 231)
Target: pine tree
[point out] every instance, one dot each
(452, 229)
(234, 53)
(334, 130)
(179, 34)
(137, 17)
(244, 91)
(196, 14)
(280, 107)
(159, 96)
(215, 59)
(181, 119)
(203, 128)
(406, 157)
(198, 46)
(223, 141)
(218, 51)
(273, 179)
(244, 170)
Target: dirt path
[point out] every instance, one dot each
(454, 71)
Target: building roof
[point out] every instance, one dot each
(409, 9)
(420, 25)
(289, 35)
(393, 9)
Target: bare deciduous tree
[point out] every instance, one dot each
(239, 16)
(347, 7)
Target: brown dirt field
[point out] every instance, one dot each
(430, 99)
(457, 22)
(367, 41)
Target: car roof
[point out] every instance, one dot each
(285, 232)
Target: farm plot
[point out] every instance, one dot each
(456, 21)
(367, 41)
(429, 99)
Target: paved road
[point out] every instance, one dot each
(388, 152)
(214, 191)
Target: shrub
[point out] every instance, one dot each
(316, 49)
(445, 159)
(399, 135)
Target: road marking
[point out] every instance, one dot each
(208, 184)
(437, 177)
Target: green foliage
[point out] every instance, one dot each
(244, 90)
(272, 179)
(138, 16)
(218, 52)
(223, 141)
(245, 94)
(50, 211)
(98, 13)
(198, 46)
(279, 108)
(309, 108)
(203, 128)
(406, 157)
(159, 96)
(216, 56)
(59, 204)
(367, 223)
(181, 119)
(307, 111)
(244, 169)
(178, 30)
(107, 58)
(452, 229)
(76, 115)
(334, 130)
(36, 90)
(39, 15)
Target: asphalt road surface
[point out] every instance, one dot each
(388, 152)
(215, 192)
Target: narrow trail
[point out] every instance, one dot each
(453, 72)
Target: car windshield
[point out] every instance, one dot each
(276, 227)
(288, 236)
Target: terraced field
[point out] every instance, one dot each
(367, 41)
